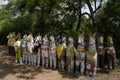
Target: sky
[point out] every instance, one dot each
(3, 2)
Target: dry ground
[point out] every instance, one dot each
(12, 71)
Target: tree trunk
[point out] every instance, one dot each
(93, 19)
(79, 16)
(78, 23)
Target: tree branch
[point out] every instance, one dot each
(98, 6)
(85, 13)
(90, 7)
(95, 4)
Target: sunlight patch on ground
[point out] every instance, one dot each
(3, 51)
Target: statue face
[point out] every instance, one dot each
(92, 40)
(110, 39)
(79, 41)
(101, 39)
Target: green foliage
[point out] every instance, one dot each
(86, 25)
(20, 24)
(4, 14)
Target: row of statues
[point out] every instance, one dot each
(60, 52)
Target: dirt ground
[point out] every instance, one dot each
(9, 70)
